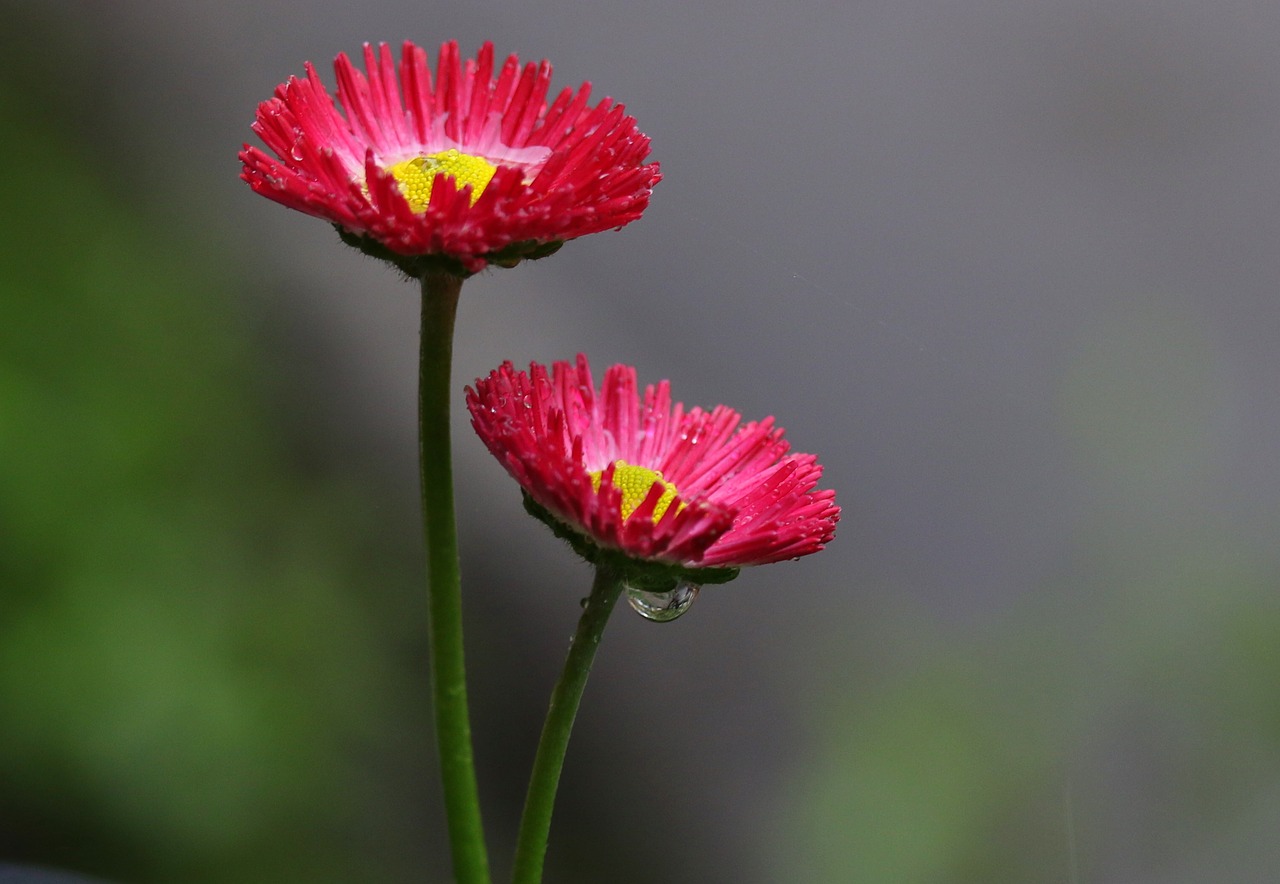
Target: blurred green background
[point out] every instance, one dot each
(206, 670)
(1022, 303)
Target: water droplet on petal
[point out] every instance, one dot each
(662, 607)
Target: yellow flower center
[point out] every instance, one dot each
(634, 482)
(416, 176)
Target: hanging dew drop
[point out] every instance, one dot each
(662, 607)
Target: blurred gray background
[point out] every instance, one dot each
(1009, 269)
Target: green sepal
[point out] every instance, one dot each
(645, 574)
(412, 266)
(525, 250)
(418, 266)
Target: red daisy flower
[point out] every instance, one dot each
(666, 494)
(452, 175)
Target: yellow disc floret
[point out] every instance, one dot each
(418, 174)
(634, 482)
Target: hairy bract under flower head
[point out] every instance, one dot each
(627, 474)
(451, 174)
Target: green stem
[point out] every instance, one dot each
(444, 591)
(535, 824)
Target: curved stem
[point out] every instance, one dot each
(535, 823)
(444, 591)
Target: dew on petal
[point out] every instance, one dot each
(662, 607)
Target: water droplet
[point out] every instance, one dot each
(662, 607)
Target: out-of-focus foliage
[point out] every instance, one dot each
(1151, 743)
(194, 629)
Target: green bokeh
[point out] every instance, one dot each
(198, 649)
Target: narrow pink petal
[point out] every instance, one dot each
(480, 80)
(449, 87)
(416, 89)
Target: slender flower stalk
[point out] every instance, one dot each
(448, 662)
(535, 822)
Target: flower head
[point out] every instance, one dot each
(664, 493)
(451, 175)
